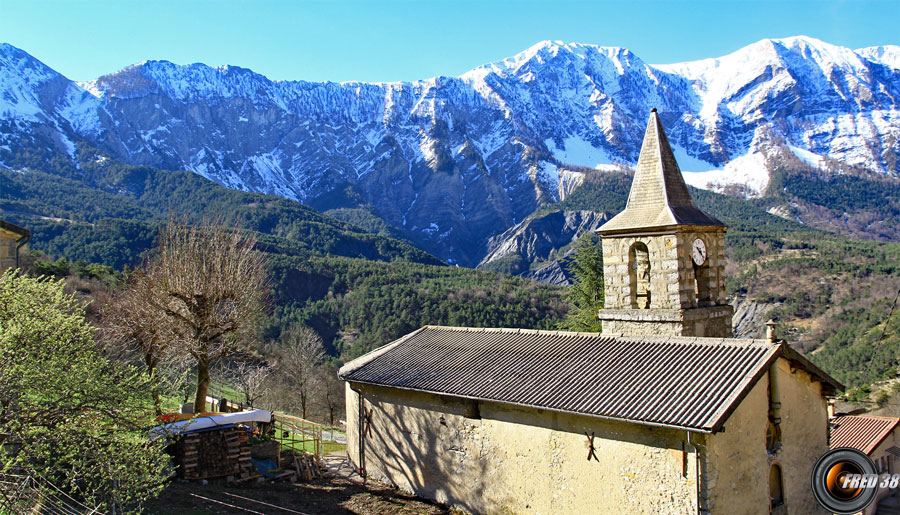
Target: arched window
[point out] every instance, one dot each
(776, 490)
(701, 284)
(639, 275)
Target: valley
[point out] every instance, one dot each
(367, 196)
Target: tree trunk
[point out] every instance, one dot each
(202, 386)
(157, 402)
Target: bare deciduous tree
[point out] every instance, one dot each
(133, 329)
(208, 286)
(330, 393)
(297, 358)
(251, 379)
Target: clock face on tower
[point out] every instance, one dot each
(698, 252)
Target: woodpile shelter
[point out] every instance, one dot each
(238, 446)
(213, 445)
(214, 453)
(663, 412)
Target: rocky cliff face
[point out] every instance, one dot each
(453, 161)
(535, 239)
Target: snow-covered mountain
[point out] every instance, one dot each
(451, 161)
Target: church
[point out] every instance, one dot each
(662, 412)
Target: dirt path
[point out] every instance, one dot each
(343, 493)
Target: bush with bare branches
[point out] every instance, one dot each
(297, 358)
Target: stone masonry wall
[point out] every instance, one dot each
(672, 285)
(520, 460)
(671, 269)
(713, 327)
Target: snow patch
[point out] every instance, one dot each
(688, 162)
(577, 151)
(888, 55)
(81, 109)
(808, 157)
(749, 169)
(431, 229)
(70, 148)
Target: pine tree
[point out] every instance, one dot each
(586, 293)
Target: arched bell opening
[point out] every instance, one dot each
(639, 275)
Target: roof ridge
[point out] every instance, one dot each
(512, 330)
(875, 417)
(356, 364)
(698, 340)
(703, 378)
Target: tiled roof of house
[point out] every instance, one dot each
(659, 196)
(690, 383)
(863, 432)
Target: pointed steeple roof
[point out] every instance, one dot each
(659, 197)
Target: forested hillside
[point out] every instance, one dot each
(357, 289)
(830, 293)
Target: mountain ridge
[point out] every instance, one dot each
(452, 161)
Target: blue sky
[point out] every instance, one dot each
(407, 40)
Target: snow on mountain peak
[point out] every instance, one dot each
(888, 55)
(22, 77)
(554, 104)
(545, 51)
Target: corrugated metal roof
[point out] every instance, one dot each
(14, 228)
(691, 383)
(863, 432)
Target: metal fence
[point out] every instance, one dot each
(34, 495)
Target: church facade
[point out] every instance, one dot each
(663, 412)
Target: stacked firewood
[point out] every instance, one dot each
(217, 453)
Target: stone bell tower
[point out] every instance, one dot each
(663, 259)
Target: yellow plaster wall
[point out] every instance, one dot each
(7, 250)
(520, 460)
(737, 467)
(804, 435)
(736, 471)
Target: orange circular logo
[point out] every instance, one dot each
(844, 481)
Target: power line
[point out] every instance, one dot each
(890, 313)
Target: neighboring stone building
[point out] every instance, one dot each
(879, 439)
(12, 237)
(655, 415)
